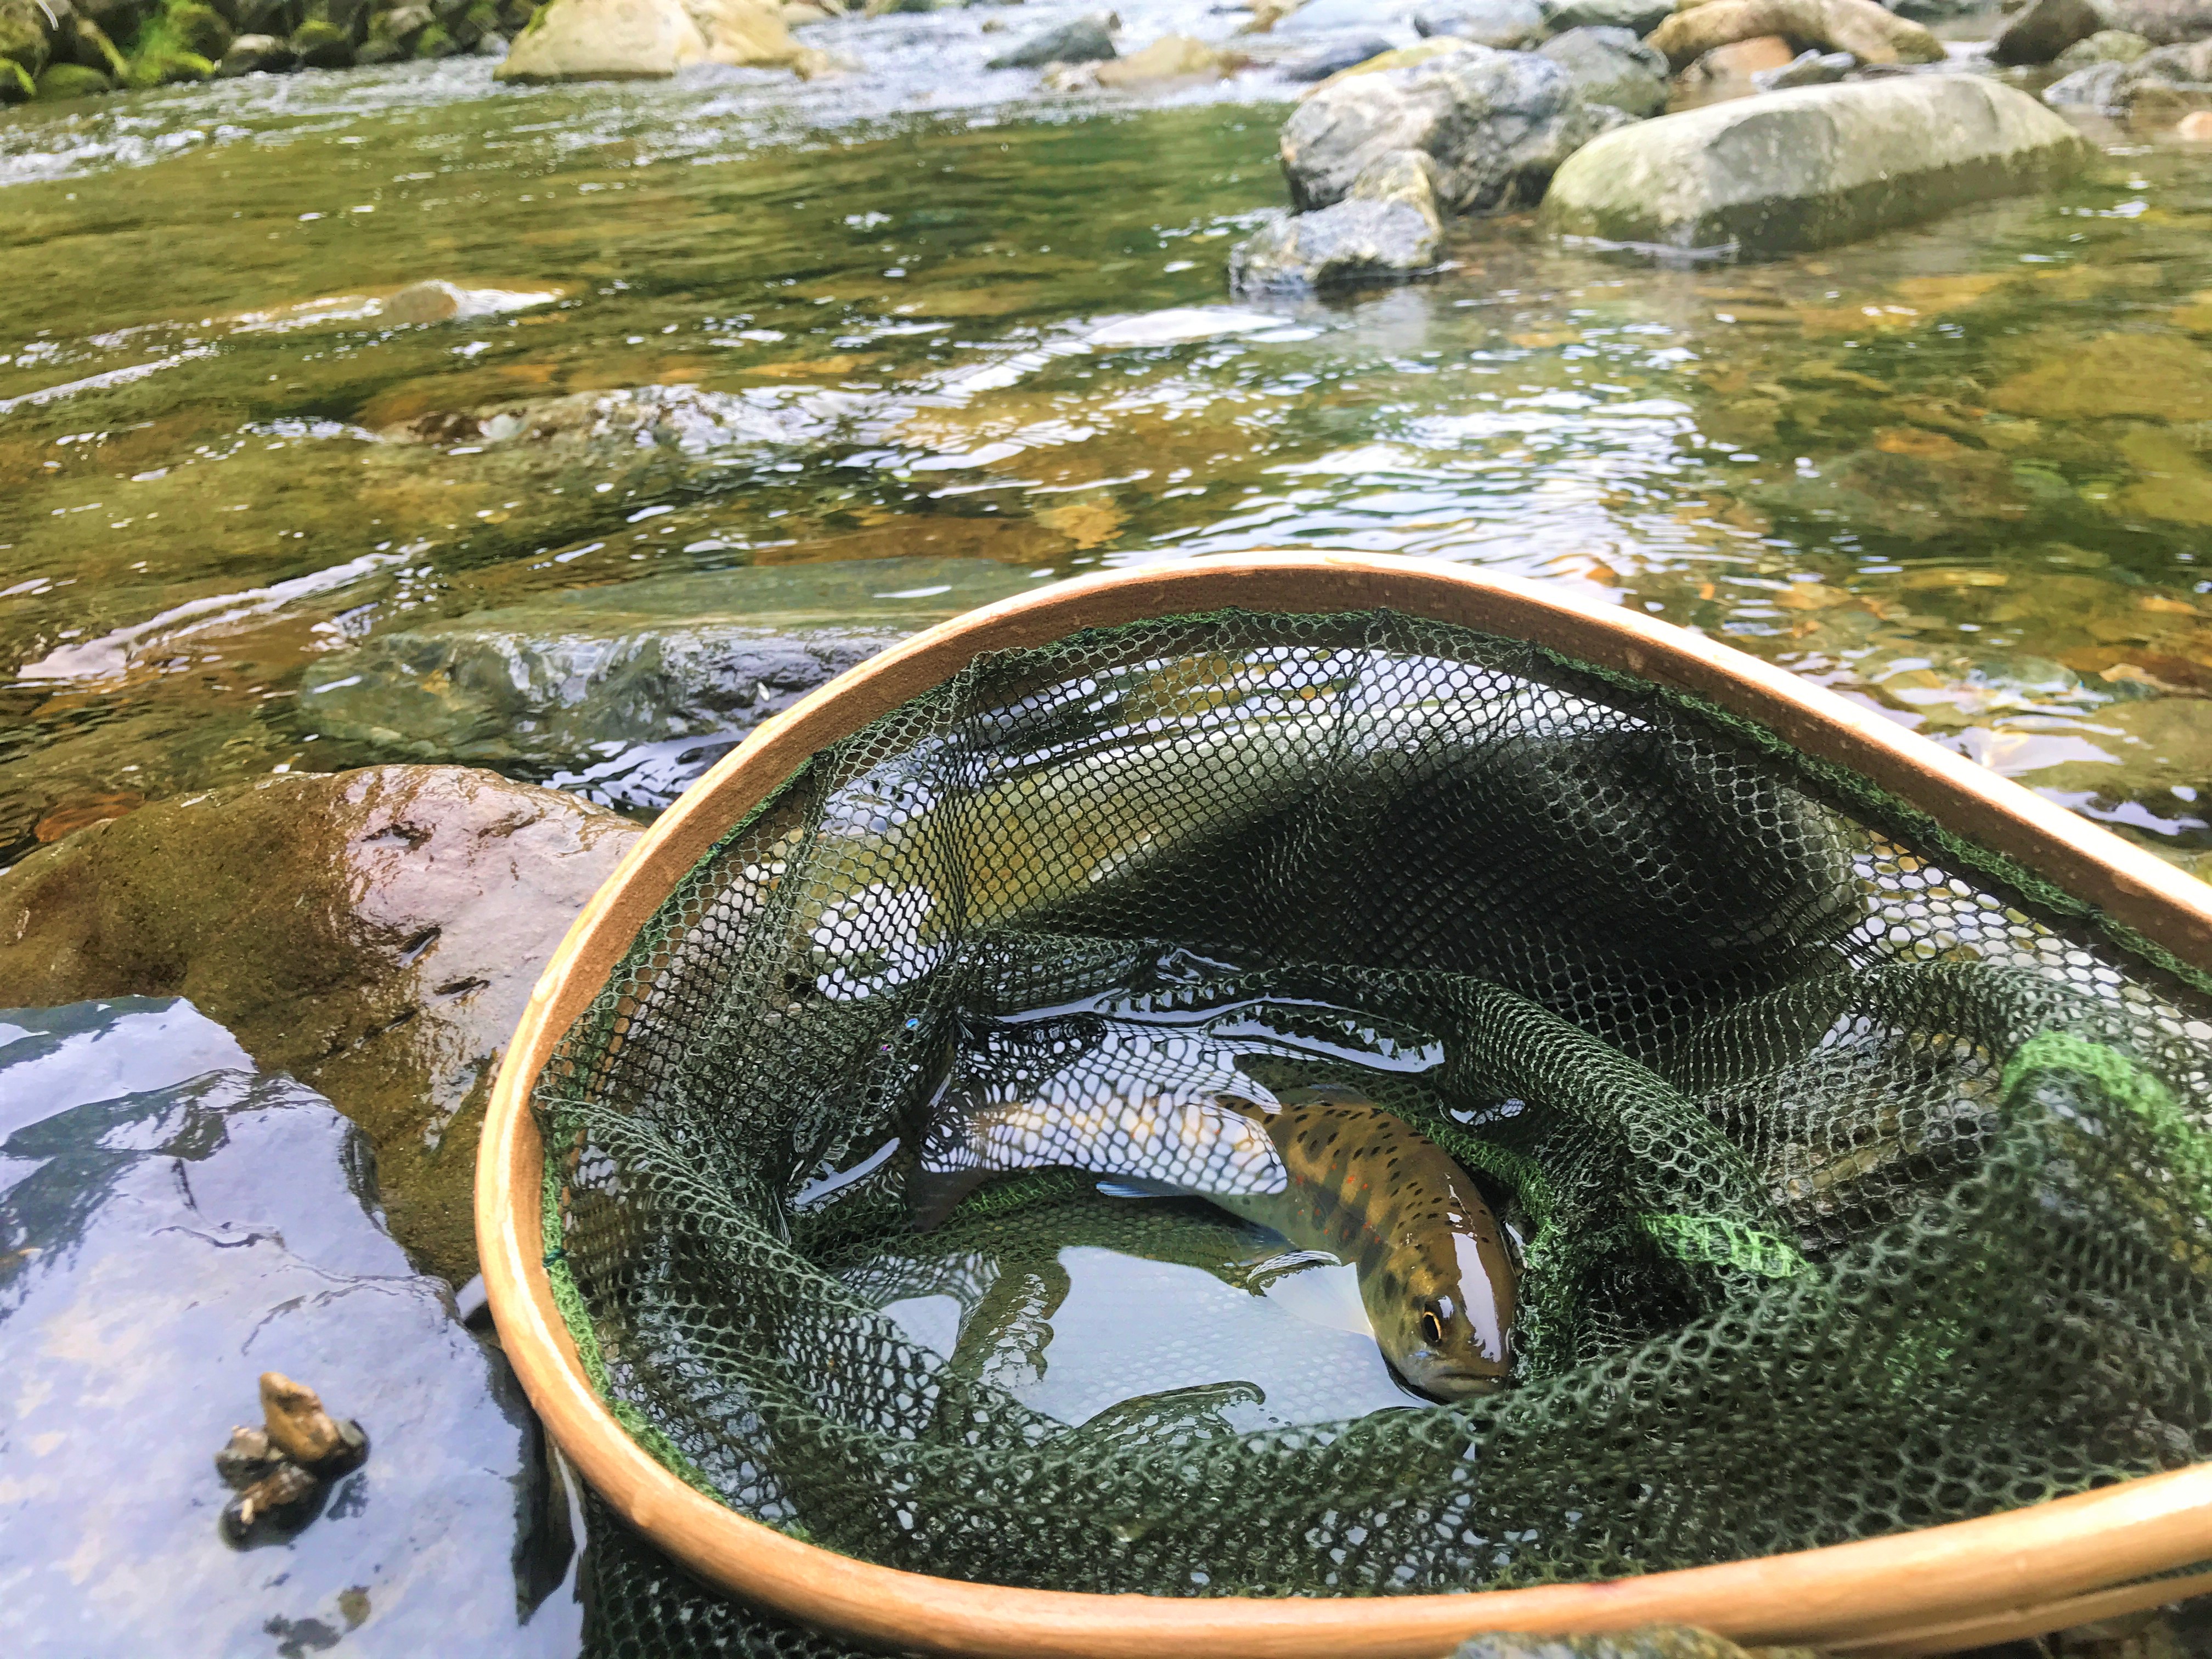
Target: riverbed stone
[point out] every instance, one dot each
(2104, 47)
(25, 40)
(1497, 123)
(1085, 40)
(320, 45)
(172, 1225)
(1807, 68)
(2047, 27)
(2099, 87)
(1170, 61)
(628, 692)
(1508, 25)
(257, 54)
(645, 39)
(1611, 66)
(1334, 59)
(60, 81)
(1812, 167)
(2164, 23)
(1386, 229)
(1638, 17)
(2162, 86)
(1859, 27)
(375, 933)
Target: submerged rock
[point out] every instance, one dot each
(1497, 124)
(375, 933)
(628, 693)
(1859, 27)
(1385, 230)
(1611, 66)
(1085, 40)
(1813, 167)
(679, 417)
(170, 1225)
(2099, 87)
(643, 39)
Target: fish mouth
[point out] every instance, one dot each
(1451, 1382)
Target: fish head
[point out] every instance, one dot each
(1445, 1328)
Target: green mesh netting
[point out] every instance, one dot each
(1863, 1183)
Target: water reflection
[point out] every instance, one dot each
(1960, 472)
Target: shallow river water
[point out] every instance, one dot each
(1960, 470)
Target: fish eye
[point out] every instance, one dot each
(1432, 1328)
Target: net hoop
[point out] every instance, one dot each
(2136, 1544)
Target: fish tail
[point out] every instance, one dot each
(933, 1194)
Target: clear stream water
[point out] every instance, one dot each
(1964, 472)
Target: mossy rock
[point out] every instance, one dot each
(480, 20)
(59, 80)
(23, 36)
(88, 46)
(160, 61)
(16, 86)
(437, 41)
(198, 29)
(322, 44)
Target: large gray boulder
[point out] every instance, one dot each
(2047, 28)
(1812, 167)
(172, 1224)
(2164, 23)
(627, 693)
(1385, 231)
(1497, 123)
(2101, 86)
(1611, 66)
(1505, 24)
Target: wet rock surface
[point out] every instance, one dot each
(627, 693)
(375, 933)
(1611, 66)
(642, 39)
(1508, 25)
(172, 1224)
(1812, 167)
(1385, 230)
(1497, 124)
(1085, 40)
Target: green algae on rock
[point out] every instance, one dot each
(375, 933)
(1812, 167)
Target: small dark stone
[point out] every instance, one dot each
(282, 1501)
(247, 1458)
(2048, 27)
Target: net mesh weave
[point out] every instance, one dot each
(1864, 1181)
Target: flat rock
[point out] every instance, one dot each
(172, 1224)
(1812, 167)
(1611, 66)
(375, 933)
(2047, 27)
(1171, 60)
(627, 693)
(1506, 24)
(1497, 124)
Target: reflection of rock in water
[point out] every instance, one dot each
(375, 932)
(168, 1231)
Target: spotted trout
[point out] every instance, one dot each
(1328, 1169)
